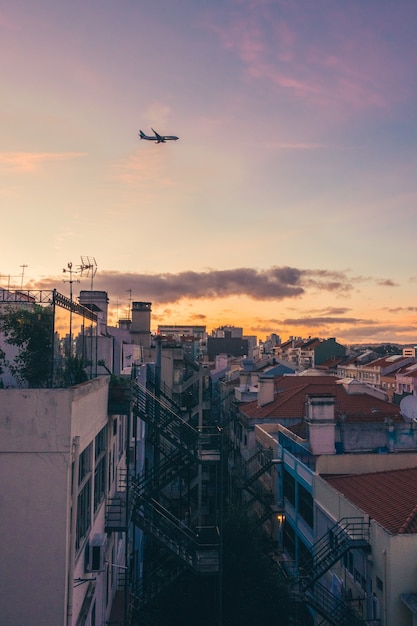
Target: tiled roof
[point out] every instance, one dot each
(390, 498)
(385, 361)
(290, 400)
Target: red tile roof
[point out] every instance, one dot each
(290, 401)
(390, 498)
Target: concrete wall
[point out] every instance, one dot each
(364, 463)
(393, 558)
(37, 427)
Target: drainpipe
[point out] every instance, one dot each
(200, 430)
(73, 529)
(384, 552)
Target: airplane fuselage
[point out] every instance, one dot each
(157, 138)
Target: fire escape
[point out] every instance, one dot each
(255, 480)
(304, 583)
(184, 458)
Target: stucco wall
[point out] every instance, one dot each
(36, 431)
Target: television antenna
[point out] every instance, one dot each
(71, 280)
(22, 274)
(129, 291)
(88, 267)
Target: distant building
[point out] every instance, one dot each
(232, 346)
(179, 331)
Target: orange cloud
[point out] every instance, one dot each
(32, 161)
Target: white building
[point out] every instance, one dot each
(61, 457)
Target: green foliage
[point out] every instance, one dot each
(30, 330)
(72, 372)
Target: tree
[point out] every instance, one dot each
(31, 331)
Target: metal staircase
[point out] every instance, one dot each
(202, 446)
(334, 611)
(149, 508)
(142, 608)
(255, 468)
(348, 534)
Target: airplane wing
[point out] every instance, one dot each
(158, 137)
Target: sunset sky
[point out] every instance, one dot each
(289, 203)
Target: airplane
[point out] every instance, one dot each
(157, 138)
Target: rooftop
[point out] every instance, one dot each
(390, 498)
(291, 393)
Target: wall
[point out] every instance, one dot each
(37, 427)
(393, 558)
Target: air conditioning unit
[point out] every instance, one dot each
(95, 553)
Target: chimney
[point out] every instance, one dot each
(321, 423)
(266, 390)
(96, 301)
(140, 329)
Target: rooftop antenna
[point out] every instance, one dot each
(89, 266)
(129, 291)
(70, 281)
(22, 274)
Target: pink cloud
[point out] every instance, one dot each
(329, 59)
(32, 161)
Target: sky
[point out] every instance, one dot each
(288, 204)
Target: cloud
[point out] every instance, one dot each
(32, 161)
(311, 322)
(378, 333)
(399, 309)
(275, 283)
(326, 58)
(386, 282)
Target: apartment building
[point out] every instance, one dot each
(306, 354)
(373, 371)
(61, 457)
(304, 446)
(379, 578)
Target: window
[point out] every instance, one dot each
(84, 496)
(99, 481)
(83, 513)
(100, 447)
(289, 540)
(305, 505)
(305, 557)
(122, 435)
(100, 443)
(348, 562)
(289, 487)
(85, 464)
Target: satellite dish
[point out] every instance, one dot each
(408, 408)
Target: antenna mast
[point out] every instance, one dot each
(88, 265)
(129, 291)
(22, 274)
(70, 281)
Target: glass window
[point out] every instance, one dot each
(289, 487)
(305, 505)
(83, 513)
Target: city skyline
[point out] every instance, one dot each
(288, 203)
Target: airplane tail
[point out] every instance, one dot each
(141, 134)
